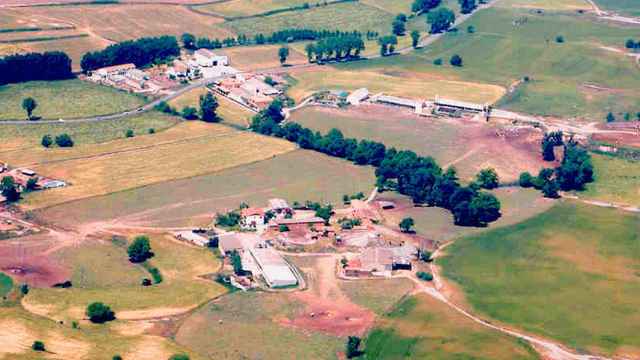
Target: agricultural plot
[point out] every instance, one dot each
(517, 205)
(422, 327)
(467, 146)
(75, 47)
(188, 150)
(236, 8)
(544, 274)
(295, 176)
(623, 7)
(180, 290)
(15, 137)
(617, 181)
(230, 112)
(553, 5)
(252, 58)
(344, 16)
(125, 22)
(392, 6)
(65, 99)
(509, 44)
(377, 295)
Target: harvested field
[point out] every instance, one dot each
(252, 58)
(30, 36)
(544, 274)
(391, 6)
(124, 22)
(423, 327)
(235, 8)
(557, 5)
(16, 137)
(75, 48)
(398, 83)
(466, 145)
(187, 150)
(9, 3)
(230, 112)
(344, 16)
(6, 284)
(24, 261)
(437, 224)
(180, 202)
(64, 99)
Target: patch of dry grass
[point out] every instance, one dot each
(229, 111)
(251, 58)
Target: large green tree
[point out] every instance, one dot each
(440, 20)
(487, 179)
(100, 313)
(208, 107)
(9, 189)
(283, 54)
(29, 104)
(140, 249)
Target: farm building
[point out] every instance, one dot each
(207, 58)
(274, 268)
(279, 206)
(382, 260)
(296, 225)
(259, 87)
(358, 96)
(252, 219)
(237, 241)
(192, 237)
(448, 104)
(398, 101)
(116, 70)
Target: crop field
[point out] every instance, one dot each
(177, 203)
(125, 22)
(422, 327)
(17, 37)
(468, 146)
(517, 205)
(235, 8)
(377, 295)
(624, 7)
(398, 83)
(617, 181)
(230, 112)
(120, 288)
(500, 52)
(251, 58)
(558, 274)
(64, 99)
(559, 5)
(21, 137)
(187, 150)
(75, 48)
(345, 17)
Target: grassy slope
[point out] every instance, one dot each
(298, 175)
(500, 53)
(6, 284)
(230, 112)
(248, 7)
(378, 295)
(624, 7)
(617, 180)
(421, 327)
(64, 99)
(570, 273)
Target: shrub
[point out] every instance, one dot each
(139, 250)
(24, 289)
(189, 113)
(129, 133)
(99, 313)
(151, 131)
(456, 60)
(283, 228)
(423, 275)
(116, 357)
(559, 39)
(437, 62)
(525, 180)
(38, 346)
(47, 141)
(179, 357)
(64, 140)
(353, 346)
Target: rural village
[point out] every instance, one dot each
(347, 179)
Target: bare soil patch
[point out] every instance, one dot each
(24, 261)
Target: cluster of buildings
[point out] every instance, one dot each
(127, 77)
(204, 63)
(27, 179)
(381, 260)
(254, 92)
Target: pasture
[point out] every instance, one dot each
(6, 284)
(296, 176)
(22, 137)
(623, 7)
(570, 274)
(511, 43)
(252, 58)
(517, 205)
(235, 8)
(617, 181)
(187, 150)
(551, 5)
(181, 288)
(468, 146)
(377, 295)
(422, 327)
(344, 16)
(65, 99)
(230, 112)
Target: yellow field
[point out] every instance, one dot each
(412, 85)
(392, 6)
(229, 111)
(248, 7)
(75, 48)
(124, 22)
(250, 58)
(186, 150)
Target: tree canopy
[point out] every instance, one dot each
(440, 20)
(52, 65)
(141, 52)
(140, 249)
(100, 313)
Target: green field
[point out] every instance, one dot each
(624, 7)
(500, 52)
(25, 136)
(423, 328)
(297, 175)
(6, 284)
(245, 325)
(571, 274)
(345, 17)
(378, 295)
(617, 181)
(248, 7)
(64, 99)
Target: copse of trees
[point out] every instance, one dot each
(208, 108)
(335, 48)
(9, 189)
(467, 6)
(440, 20)
(548, 144)
(141, 52)
(100, 313)
(420, 178)
(387, 44)
(53, 65)
(422, 6)
(631, 44)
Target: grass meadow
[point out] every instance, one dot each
(505, 47)
(251, 58)
(64, 99)
(296, 176)
(235, 8)
(570, 274)
(617, 181)
(377, 295)
(230, 112)
(422, 327)
(624, 7)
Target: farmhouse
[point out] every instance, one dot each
(279, 206)
(192, 237)
(252, 219)
(358, 96)
(206, 58)
(380, 261)
(274, 268)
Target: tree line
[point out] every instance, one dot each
(141, 52)
(345, 46)
(52, 65)
(420, 178)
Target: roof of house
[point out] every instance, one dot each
(376, 258)
(312, 220)
(359, 94)
(458, 104)
(278, 204)
(252, 211)
(398, 101)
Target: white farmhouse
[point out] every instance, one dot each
(358, 96)
(206, 58)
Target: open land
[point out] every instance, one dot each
(64, 99)
(552, 5)
(617, 181)
(235, 8)
(624, 7)
(592, 254)
(252, 58)
(230, 112)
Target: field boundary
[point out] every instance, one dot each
(41, 39)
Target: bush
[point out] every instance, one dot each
(189, 113)
(129, 133)
(47, 141)
(422, 275)
(64, 140)
(38, 346)
(139, 250)
(116, 357)
(100, 313)
(24, 289)
(179, 357)
(353, 347)
(437, 62)
(456, 60)
(487, 179)
(283, 228)
(525, 180)
(151, 131)
(559, 39)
